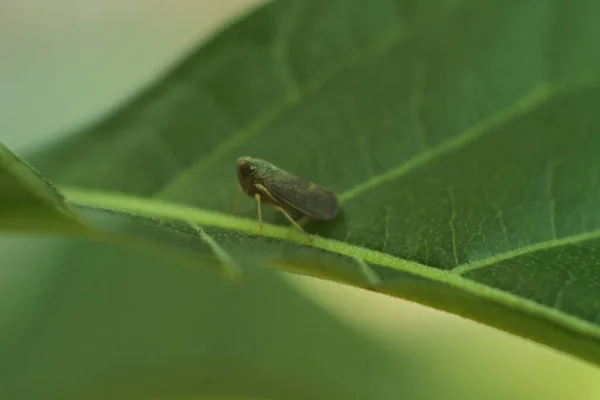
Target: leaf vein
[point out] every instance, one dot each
(255, 127)
(372, 278)
(386, 219)
(160, 209)
(231, 267)
(537, 97)
(546, 245)
(549, 183)
(451, 223)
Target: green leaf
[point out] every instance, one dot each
(28, 202)
(460, 135)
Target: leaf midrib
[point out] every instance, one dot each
(160, 209)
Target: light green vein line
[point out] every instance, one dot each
(231, 267)
(451, 223)
(187, 175)
(162, 209)
(158, 209)
(549, 181)
(500, 216)
(386, 221)
(535, 98)
(373, 280)
(523, 251)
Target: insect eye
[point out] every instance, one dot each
(247, 169)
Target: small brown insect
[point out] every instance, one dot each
(282, 190)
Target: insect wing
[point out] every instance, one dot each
(301, 195)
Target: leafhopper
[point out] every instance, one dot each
(283, 191)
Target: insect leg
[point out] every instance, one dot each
(236, 203)
(260, 224)
(293, 222)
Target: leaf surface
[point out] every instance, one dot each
(461, 137)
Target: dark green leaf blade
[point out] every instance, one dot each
(459, 134)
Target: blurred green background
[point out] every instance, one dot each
(66, 62)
